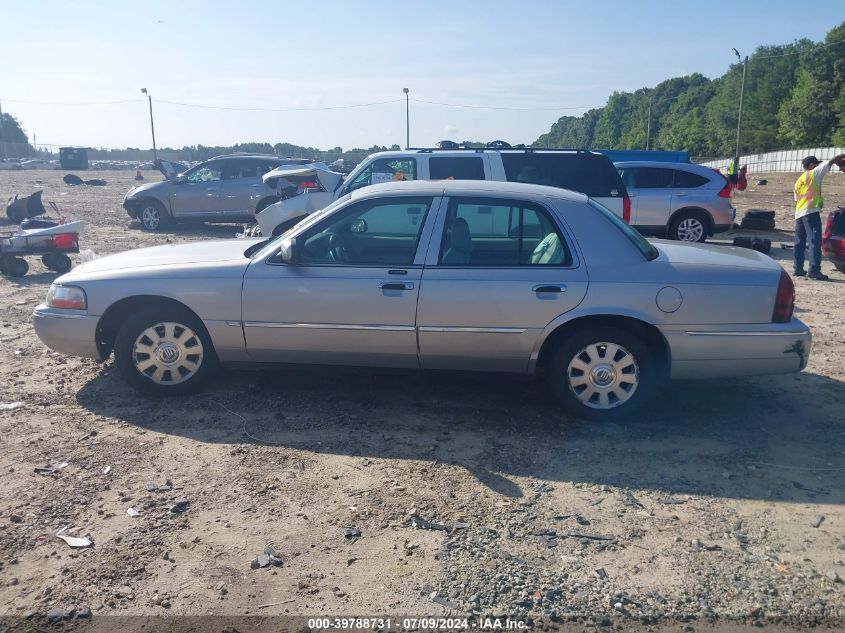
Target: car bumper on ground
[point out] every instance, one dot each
(67, 331)
(738, 350)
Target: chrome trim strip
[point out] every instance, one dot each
(474, 330)
(331, 326)
(57, 315)
(800, 333)
(233, 323)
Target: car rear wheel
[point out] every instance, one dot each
(164, 351)
(58, 262)
(688, 226)
(153, 216)
(602, 373)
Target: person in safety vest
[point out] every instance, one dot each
(808, 221)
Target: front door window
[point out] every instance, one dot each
(383, 232)
(385, 170)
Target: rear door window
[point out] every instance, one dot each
(587, 173)
(385, 170)
(688, 180)
(654, 177)
(456, 168)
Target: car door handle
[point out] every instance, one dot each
(396, 285)
(560, 288)
(679, 194)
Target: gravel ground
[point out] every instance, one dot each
(391, 492)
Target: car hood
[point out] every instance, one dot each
(711, 255)
(210, 252)
(136, 191)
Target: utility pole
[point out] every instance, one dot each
(741, 95)
(407, 120)
(648, 126)
(152, 125)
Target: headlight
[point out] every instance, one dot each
(68, 297)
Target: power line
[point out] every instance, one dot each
(483, 107)
(73, 103)
(254, 109)
(815, 47)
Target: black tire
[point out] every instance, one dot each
(572, 347)
(266, 202)
(129, 361)
(287, 224)
(58, 262)
(758, 214)
(753, 224)
(15, 266)
(152, 215)
(689, 226)
(840, 267)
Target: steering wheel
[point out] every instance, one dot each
(337, 249)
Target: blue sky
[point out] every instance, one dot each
(530, 58)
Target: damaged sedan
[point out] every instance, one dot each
(456, 275)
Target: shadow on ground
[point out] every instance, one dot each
(770, 438)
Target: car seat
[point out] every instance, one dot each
(548, 251)
(460, 243)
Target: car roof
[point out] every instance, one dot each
(691, 167)
(466, 187)
(256, 156)
(439, 153)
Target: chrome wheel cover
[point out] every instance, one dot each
(167, 353)
(690, 230)
(603, 375)
(151, 217)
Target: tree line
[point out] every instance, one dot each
(794, 97)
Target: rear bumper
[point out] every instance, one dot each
(739, 350)
(66, 331)
(721, 228)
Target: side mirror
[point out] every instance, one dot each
(358, 226)
(181, 179)
(289, 251)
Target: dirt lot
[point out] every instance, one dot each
(722, 502)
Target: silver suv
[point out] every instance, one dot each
(224, 189)
(680, 201)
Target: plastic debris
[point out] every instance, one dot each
(10, 406)
(132, 512)
(106, 470)
(73, 541)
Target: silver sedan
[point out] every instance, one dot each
(467, 275)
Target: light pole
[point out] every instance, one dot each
(407, 120)
(741, 95)
(152, 126)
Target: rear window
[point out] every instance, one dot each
(642, 244)
(460, 168)
(590, 174)
(688, 180)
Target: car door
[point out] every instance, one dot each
(351, 297)
(497, 272)
(198, 193)
(650, 189)
(242, 186)
(687, 190)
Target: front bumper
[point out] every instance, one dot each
(738, 350)
(129, 205)
(67, 331)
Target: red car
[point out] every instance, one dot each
(833, 239)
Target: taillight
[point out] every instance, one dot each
(785, 300)
(725, 192)
(626, 209)
(65, 240)
(828, 228)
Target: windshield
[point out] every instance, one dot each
(273, 244)
(641, 243)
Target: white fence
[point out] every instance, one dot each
(785, 160)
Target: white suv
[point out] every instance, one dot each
(578, 170)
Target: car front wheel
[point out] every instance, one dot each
(164, 351)
(152, 215)
(688, 227)
(602, 373)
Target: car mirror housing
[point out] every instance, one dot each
(289, 251)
